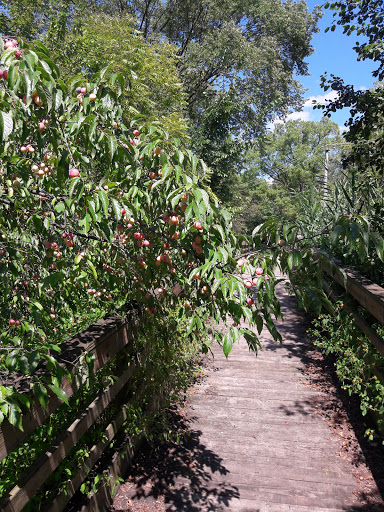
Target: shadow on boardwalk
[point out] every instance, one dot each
(176, 476)
(281, 468)
(342, 413)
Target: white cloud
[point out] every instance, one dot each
(302, 116)
(293, 116)
(321, 98)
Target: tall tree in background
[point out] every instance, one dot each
(237, 60)
(292, 155)
(285, 164)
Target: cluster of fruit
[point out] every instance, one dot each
(10, 44)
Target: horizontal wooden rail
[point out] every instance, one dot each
(43, 467)
(369, 295)
(376, 340)
(104, 340)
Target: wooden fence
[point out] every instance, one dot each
(105, 340)
(364, 293)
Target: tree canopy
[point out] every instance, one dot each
(234, 57)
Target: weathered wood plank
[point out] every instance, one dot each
(368, 294)
(38, 473)
(103, 339)
(376, 340)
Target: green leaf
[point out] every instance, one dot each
(227, 344)
(112, 146)
(14, 415)
(78, 259)
(379, 246)
(59, 207)
(57, 98)
(45, 95)
(116, 208)
(92, 268)
(13, 73)
(59, 392)
(41, 393)
(6, 126)
(11, 360)
(104, 201)
(31, 60)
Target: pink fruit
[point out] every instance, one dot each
(247, 283)
(135, 133)
(198, 225)
(12, 322)
(83, 90)
(1, 73)
(5, 74)
(254, 281)
(74, 173)
(249, 301)
(259, 271)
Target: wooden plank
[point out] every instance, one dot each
(368, 294)
(376, 340)
(103, 339)
(44, 466)
(59, 503)
(102, 500)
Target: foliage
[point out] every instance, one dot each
(292, 155)
(237, 60)
(349, 224)
(170, 365)
(358, 364)
(255, 201)
(96, 211)
(283, 169)
(365, 125)
(363, 17)
(153, 85)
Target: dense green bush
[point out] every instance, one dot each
(359, 366)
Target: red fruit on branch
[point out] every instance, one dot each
(74, 173)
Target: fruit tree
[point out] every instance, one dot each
(99, 212)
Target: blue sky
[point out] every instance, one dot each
(334, 54)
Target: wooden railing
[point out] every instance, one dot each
(366, 294)
(105, 340)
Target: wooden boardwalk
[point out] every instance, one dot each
(256, 442)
